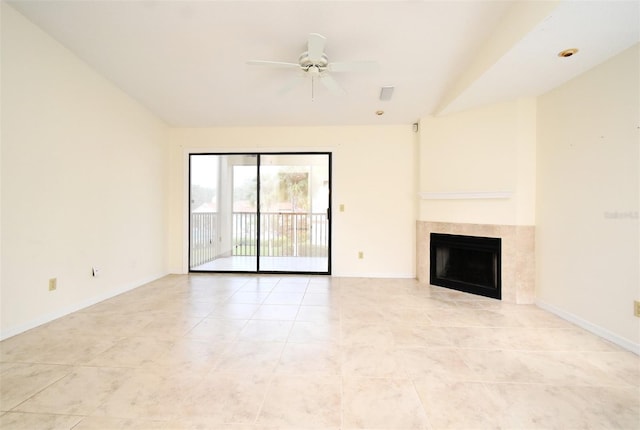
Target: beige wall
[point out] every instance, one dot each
(83, 180)
(484, 150)
(373, 177)
(588, 191)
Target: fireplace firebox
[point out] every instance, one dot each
(466, 263)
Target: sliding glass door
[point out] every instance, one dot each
(260, 212)
(294, 212)
(223, 212)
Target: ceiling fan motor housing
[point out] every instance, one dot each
(306, 63)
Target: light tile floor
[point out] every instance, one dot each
(289, 352)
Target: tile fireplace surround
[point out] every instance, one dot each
(518, 254)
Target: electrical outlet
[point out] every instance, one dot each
(636, 308)
(53, 284)
(360, 255)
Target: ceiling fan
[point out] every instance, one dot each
(314, 64)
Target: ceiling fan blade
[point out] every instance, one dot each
(278, 64)
(315, 46)
(332, 85)
(354, 66)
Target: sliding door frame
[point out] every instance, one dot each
(258, 211)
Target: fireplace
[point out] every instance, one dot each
(466, 263)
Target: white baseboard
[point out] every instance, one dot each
(593, 328)
(12, 331)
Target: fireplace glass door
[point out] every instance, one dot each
(466, 263)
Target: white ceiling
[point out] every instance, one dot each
(186, 60)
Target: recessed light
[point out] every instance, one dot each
(379, 112)
(567, 52)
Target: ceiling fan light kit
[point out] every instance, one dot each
(314, 63)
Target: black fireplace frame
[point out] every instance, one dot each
(485, 244)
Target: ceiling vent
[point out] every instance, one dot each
(386, 93)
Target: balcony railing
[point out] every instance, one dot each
(281, 235)
(204, 241)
